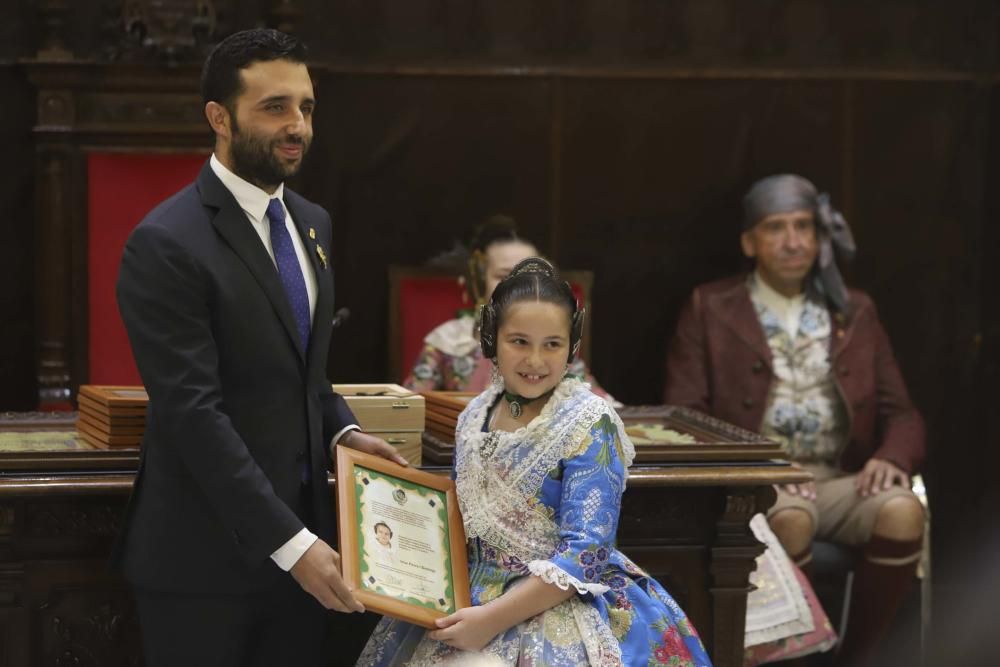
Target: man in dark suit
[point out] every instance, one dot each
(226, 291)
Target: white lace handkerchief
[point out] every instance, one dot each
(778, 608)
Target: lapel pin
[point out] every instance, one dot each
(312, 233)
(321, 254)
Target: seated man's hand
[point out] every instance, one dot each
(879, 475)
(318, 573)
(806, 490)
(369, 444)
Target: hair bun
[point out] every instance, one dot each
(533, 265)
(495, 228)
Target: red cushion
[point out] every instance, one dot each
(122, 188)
(424, 303)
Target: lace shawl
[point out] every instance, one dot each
(499, 474)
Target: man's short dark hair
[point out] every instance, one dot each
(384, 525)
(220, 77)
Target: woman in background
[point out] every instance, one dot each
(451, 359)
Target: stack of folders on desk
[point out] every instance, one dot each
(443, 408)
(111, 416)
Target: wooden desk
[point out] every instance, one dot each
(686, 523)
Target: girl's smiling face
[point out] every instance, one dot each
(533, 347)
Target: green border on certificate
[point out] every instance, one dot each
(403, 540)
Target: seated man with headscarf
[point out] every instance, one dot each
(790, 352)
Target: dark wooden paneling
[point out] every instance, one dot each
(404, 165)
(653, 173)
(17, 215)
(919, 178)
(924, 34)
(988, 360)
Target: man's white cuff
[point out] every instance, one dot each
(291, 551)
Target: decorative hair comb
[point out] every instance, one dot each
(534, 265)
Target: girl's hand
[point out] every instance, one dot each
(468, 629)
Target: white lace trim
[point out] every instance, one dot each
(498, 479)
(551, 573)
(454, 337)
(602, 647)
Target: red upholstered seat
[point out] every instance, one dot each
(424, 303)
(122, 189)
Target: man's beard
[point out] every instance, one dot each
(254, 158)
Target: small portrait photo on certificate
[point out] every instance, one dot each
(402, 544)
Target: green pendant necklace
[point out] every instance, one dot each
(516, 403)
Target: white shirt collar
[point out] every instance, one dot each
(771, 296)
(251, 199)
(786, 309)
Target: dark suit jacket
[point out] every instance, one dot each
(719, 362)
(235, 404)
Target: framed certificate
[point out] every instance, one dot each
(402, 543)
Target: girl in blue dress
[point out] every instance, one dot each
(540, 467)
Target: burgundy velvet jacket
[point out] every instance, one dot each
(719, 362)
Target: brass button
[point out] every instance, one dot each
(747, 402)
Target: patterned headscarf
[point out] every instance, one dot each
(785, 193)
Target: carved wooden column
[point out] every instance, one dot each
(85, 107)
(733, 559)
(53, 244)
(52, 16)
(133, 104)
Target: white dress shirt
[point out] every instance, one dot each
(254, 203)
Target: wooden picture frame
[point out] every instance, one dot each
(710, 439)
(421, 573)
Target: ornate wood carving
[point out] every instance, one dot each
(89, 626)
(52, 267)
(123, 112)
(733, 559)
(167, 30)
(55, 109)
(52, 15)
(83, 107)
(72, 520)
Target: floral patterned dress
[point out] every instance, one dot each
(544, 501)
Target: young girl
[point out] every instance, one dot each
(451, 358)
(540, 466)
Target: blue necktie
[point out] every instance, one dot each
(295, 285)
(289, 270)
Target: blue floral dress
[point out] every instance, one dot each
(544, 501)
